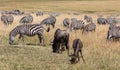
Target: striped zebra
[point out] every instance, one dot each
(28, 30)
(26, 19)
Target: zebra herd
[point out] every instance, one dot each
(61, 37)
(71, 24)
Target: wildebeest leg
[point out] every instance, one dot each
(82, 56)
(58, 48)
(67, 47)
(62, 47)
(78, 56)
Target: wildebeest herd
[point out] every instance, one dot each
(61, 37)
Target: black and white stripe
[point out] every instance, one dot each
(28, 30)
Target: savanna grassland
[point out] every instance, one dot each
(98, 54)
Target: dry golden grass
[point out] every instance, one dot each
(98, 54)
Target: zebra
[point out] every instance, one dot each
(88, 18)
(101, 20)
(4, 19)
(7, 19)
(26, 19)
(28, 30)
(77, 24)
(39, 13)
(49, 21)
(66, 22)
(89, 27)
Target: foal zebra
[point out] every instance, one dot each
(28, 30)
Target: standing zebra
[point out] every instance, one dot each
(28, 30)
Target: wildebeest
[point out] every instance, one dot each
(7, 19)
(26, 19)
(88, 18)
(66, 22)
(77, 48)
(60, 37)
(49, 21)
(89, 27)
(101, 20)
(28, 30)
(113, 32)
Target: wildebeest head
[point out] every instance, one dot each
(73, 59)
(54, 47)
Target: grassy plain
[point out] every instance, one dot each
(98, 54)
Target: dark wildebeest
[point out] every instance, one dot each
(66, 22)
(89, 27)
(88, 18)
(26, 19)
(77, 47)
(113, 32)
(28, 30)
(61, 37)
(49, 21)
(101, 20)
(7, 19)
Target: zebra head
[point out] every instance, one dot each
(11, 39)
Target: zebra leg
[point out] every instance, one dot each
(41, 38)
(22, 38)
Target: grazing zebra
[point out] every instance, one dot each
(88, 18)
(77, 24)
(39, 13)
(28, 30)
(101, 20)
(4, 19)
(89, 27)
(7, 19)
(66, 22)
(26, 19)
(49, 21)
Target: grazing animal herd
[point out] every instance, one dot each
(61, 37)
